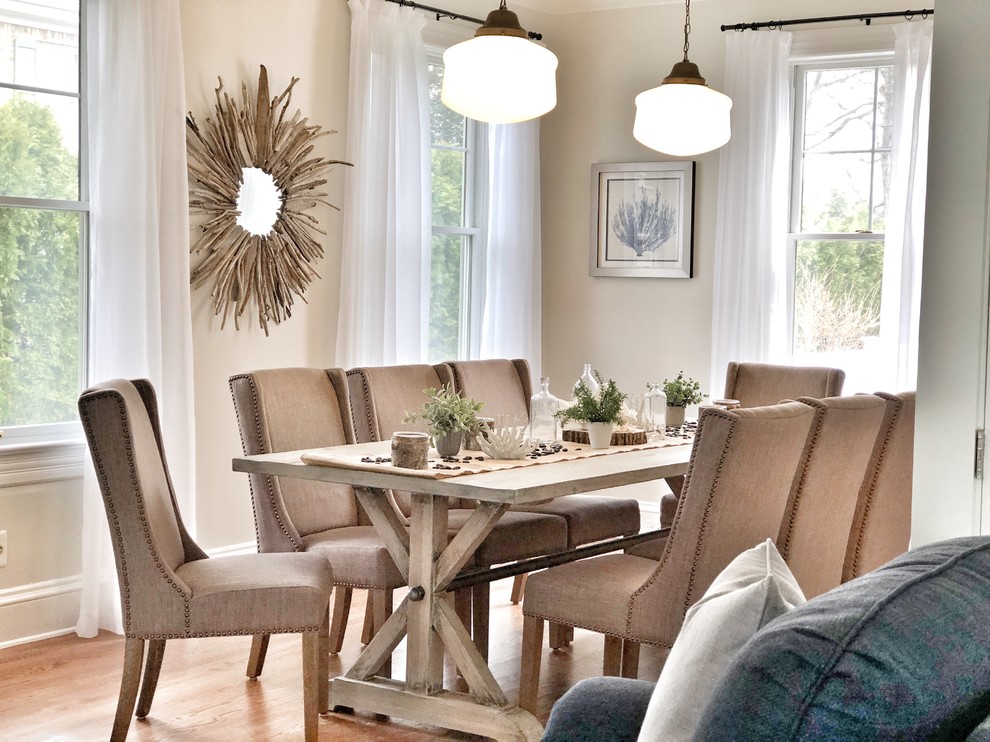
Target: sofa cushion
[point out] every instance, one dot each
(599, 709)
(752, 590)
(900, 653)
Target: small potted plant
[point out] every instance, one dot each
(447, 416)
(600, 412)
(680, 392)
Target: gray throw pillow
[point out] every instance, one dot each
(752, 590)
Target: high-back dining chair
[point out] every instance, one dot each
(289, 409)
(819, 516)
(380, 398)
(758, 384)
(169, 588)
(881, 527)
(504, 387)
(735, 492)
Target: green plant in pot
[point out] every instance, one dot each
(680, 392)
(447, 416)
(599, 412)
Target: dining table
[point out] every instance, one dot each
(432, 564)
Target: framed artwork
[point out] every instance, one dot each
(642, 219)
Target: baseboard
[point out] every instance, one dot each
(42, 610)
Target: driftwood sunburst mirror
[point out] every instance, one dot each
(254, 178)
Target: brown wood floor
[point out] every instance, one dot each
(66, 688)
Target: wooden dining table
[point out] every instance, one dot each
(431, 561)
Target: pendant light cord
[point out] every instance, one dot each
(687, 27)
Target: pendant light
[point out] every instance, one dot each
(682, 116)
(499, 76)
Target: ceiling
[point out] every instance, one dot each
(558, 7)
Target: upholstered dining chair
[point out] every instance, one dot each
(819, 517)
(169, 588)
(505, 389)
(289, 409)
(736, 488)
(380, 398)
(758, 384)
(881, 527)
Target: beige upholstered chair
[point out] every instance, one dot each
(504, 387)
(288, 409)
(169, 588)
(736, 488)
(380, 399)
(881, 527)
(815, 530)
(758, 384)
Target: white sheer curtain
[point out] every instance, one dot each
(750, 231)
(511, 319)
(140, 323)
(385, 262)
(901, 289)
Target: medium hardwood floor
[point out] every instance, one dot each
(66, 688)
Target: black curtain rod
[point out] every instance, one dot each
(441, 13)
(865, 17)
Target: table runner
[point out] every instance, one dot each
(478, 463)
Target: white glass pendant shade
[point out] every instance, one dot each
(682, 119)
(499, 79)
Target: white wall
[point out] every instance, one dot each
(953, 301)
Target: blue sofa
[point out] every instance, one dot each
(900, 653)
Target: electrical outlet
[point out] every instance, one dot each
(3, 548)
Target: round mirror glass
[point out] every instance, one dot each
(259, 201)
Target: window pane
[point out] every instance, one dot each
(839, 109)
(40, 310)
(835, 196)
(885, 106)
(39, 145)
(39, 46)
(837, 287)
(447, 127)
(448, 187)
(445, 296)
(881, 187)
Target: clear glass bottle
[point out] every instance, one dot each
(588, 377)
(655, 409)
(543, 409)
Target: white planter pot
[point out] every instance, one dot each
(600, 434)
(675, 417)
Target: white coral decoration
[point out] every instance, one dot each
(506, 440)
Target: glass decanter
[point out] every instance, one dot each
(655, 409)
(588, 377)
(543, 409)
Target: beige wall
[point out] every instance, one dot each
(308, 39)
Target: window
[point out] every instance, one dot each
(43, 218)
(839, 187)
(459, 173)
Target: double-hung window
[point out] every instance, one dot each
(459, 174)
(43, 218)
(839, 188)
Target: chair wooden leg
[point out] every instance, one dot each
(529, 668)
(630, 659)
(480, 595)
(518, 587)
(381, 609)
(558, 635)
(612, 663)
(152, 668)
(323, 680)
(568, 634)
(129, 681)
(311, 684)
(341, 610)
(256, 660)
(368, 630)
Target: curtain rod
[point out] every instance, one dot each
(865, 17)
(441, 13)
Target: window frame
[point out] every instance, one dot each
(27, 452)
(798, 65)
(473, 235)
